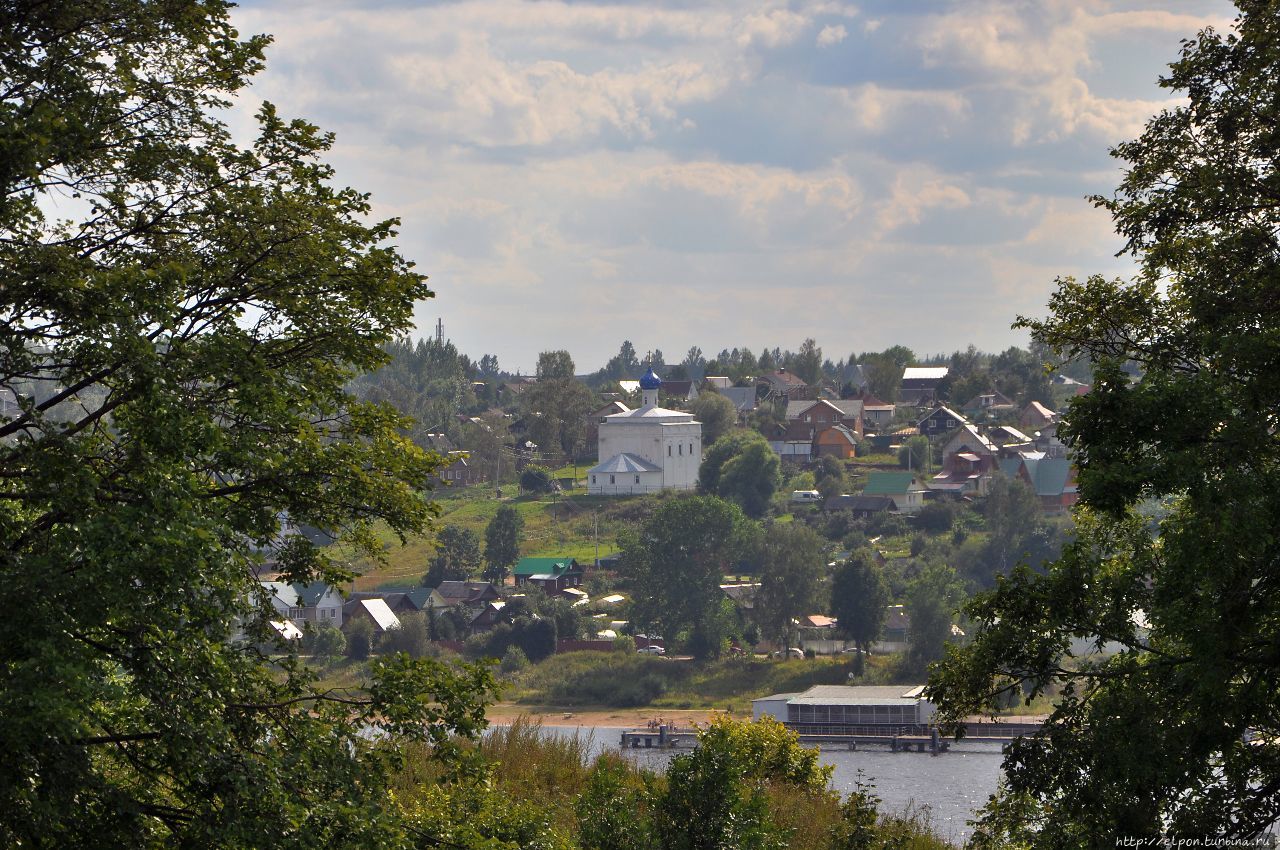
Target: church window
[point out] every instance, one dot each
(611, 481)
(668, 451)
(637, 479)
(680, 449)
(691, 448)
(593, 479)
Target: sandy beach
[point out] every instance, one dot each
(624, 718)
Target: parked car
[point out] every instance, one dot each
(806, 496)
(651, 650)
(792, 652)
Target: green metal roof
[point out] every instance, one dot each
(544, 566)
(888, 483)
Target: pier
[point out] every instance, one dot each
(920, 738)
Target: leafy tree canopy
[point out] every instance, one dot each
(178, 352)
(1149, 741)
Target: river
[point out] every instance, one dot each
(948, 788)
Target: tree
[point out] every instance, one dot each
(716, 413)
(914, 453)
(555, 366)
(859, 596)
(677, 562)
(931, 602)
(536, 479)
(717, 795)
(1193, 336)
(789, 579)
(502, 543)
(179, 319)
(556, 407)
(694, 364)
(807, 363)
(741, 466)
(457, 556)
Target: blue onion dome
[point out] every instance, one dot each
(650, 381)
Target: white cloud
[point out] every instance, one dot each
(556, 162)
(831, 35)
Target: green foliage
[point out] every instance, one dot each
(513, 660)
(359, 639)
(931, 602)
(182, 334)
(328, 643)
(859, 594)
(789, 580)
(741, 467)
(716, 413)
(675, 565)
(936, 517)
(716, 796)
(613, 811)
(412, 637)
(457, 556)
(535, 479)
(914, 453)
(502, 543)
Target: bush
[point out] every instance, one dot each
(328, 643)
(625, 644)
(359, 640)
(513, 660)
(936, 517)
(412, 637)
(535, 479)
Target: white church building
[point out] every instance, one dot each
(647, 449)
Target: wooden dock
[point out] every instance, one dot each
(899, 739)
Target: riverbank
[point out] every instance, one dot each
(504, 714)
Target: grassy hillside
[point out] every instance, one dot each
(566, 524)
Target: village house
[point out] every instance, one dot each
(902, 487)
(376, 612)
(317, 602)
(1052, 478)
(989, 405)
(920, 385)
(943, 420)
(460, 472)
(1037, 417)
(969, 459)
(861, 506)
(785, 386)
(550, 574)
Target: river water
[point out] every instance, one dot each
(948, 788)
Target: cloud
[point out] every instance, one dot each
(575, 173)
(832, 35)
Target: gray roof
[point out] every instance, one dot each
(743, 398)
(625, 463)
(860, 695)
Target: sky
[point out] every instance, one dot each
(573, 174)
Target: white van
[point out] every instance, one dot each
(806, 496)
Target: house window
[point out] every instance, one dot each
(637, 479)
(295, 613)
(611, 481)
(593, 479)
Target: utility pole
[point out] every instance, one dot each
(595, 530)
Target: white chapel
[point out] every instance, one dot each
(647, 449)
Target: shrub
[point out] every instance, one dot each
(359, 640)
(624, 644)
(513, 660)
